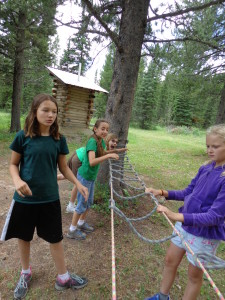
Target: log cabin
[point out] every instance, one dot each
(75, 96)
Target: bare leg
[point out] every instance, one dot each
(24, 250)
(73, 194)
(173, 258)
(76, 217)
(83, 216)
(58, 257)
(195, 276)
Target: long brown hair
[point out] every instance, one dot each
(100, 149)
(31, 126)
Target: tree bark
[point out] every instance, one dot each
(18, 72)
(125, 73)
(221, 110)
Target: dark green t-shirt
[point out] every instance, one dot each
(38, 166)
(86, 171)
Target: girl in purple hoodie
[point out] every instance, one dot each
(200, 220)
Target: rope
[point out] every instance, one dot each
(119, 168)
(113, 254)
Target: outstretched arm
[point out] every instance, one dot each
(93, 161)
(116, 150)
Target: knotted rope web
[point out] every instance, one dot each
(122, 173)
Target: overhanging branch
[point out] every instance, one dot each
(185, 11)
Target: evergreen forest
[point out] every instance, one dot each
(180, 75)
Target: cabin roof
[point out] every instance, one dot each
(72, 79)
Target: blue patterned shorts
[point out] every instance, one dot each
(196, 243)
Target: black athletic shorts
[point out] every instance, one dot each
(22, 219)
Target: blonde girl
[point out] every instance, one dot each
(201, 218)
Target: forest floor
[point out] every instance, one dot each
(138, 265)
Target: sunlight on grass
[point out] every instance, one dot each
(168, 160)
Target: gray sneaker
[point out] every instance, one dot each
(86, 227)
(77, 234)
(22, 286)
(75, 282)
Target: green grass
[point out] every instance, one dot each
(169, 160)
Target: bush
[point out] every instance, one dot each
(101, 197)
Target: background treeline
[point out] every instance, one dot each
(175, 96)
(27, 29)
(181, 79)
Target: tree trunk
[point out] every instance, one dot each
(18, 73)
(221, 110)
(127, 59)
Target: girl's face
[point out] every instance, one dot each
(216, 149)
(113, 144)
(102, 130)
(46, 113)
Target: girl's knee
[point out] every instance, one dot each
(174, 256)
(195, 274)
(171, 261)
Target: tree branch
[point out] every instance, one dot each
(181, 40)
(94, 12)
(184, 11)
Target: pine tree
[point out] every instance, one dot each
(146, 98)
(105, 82)
(25, 25)
(78, 50)
(182, 114)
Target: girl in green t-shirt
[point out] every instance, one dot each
(36, 152)
(87, 173)
(75, 161)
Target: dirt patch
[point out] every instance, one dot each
(138, 264)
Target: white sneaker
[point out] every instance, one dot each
(70, 209)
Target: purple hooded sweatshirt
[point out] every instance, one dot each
(204, 203)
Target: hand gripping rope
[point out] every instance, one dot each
(123, 173)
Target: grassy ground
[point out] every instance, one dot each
(164, 160)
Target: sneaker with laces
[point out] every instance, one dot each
(75, 282)
(85, 227)
(70, 209)
(22, 286)
(77, 234)
(156, 297)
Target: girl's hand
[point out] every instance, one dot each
(60, 177)
(83, 190)
(22, 188)
(153, 191)
(170, 214)
(113, 156)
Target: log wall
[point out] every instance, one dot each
(76, 106)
